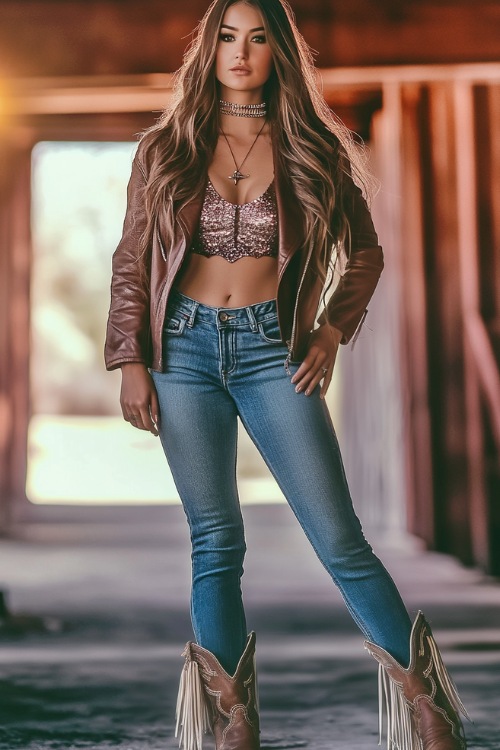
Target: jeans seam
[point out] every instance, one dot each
(230, 341)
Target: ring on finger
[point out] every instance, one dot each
(324, 370)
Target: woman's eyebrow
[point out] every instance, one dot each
(233, 28)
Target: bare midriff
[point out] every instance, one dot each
(216, 282)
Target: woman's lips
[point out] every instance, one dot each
(240, 71)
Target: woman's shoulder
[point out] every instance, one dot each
(143, 156)
(139, 160)
(147, 150)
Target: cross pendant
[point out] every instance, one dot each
(237, 176)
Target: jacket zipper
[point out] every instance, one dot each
(165, 279)
(162, 288)
(358, 329)
(291, 342)
(162, 249)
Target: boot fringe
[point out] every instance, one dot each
(445, 680)
(191, 713)
(256, 685)
(401, 731)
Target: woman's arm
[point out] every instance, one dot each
(347, 307)
(128, 333)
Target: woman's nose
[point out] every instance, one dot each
(241, 53)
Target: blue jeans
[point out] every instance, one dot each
(222, 363)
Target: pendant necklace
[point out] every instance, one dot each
(237, 175)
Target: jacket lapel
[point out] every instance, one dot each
(188, 215)
(289, 214)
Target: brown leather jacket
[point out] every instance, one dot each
(136, 316)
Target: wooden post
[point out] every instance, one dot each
(469, 288)
(15, 256)
(445, 323)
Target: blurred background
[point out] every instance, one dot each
(416, 403)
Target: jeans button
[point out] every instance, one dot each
(223, 317)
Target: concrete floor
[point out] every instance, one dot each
(109, 678)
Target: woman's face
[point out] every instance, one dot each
(244, 60)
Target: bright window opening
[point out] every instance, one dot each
(80, 449)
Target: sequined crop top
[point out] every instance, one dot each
(233, 231)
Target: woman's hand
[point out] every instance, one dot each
(319, 361)
(138, 397)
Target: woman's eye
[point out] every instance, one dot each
(226, 37)
(259, 39)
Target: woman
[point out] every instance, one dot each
(241, 200)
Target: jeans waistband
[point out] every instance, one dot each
(222, 317)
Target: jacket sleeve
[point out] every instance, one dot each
(128, 330)
(347, 306)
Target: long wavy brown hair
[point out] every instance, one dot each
(315, 148)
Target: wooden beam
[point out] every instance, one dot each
(145, 93)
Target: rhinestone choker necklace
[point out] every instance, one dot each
(242, 110)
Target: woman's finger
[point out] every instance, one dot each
(145, 422)
(327, 380)
(148, 421)
(312, 374)
(310, 363)
(136, 416)
(310, 381)
(154, 410)
(328, 375)
(315, 380)
(135, 419)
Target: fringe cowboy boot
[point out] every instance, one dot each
(421, 702)
(210, 699)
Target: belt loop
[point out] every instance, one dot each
(252, 320)
(194, 310)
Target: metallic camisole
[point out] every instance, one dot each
(233, 231)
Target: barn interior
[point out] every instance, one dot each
(94, 549)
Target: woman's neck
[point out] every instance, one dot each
(241, 127)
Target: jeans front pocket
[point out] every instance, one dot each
(269, 331)
(175, 323)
